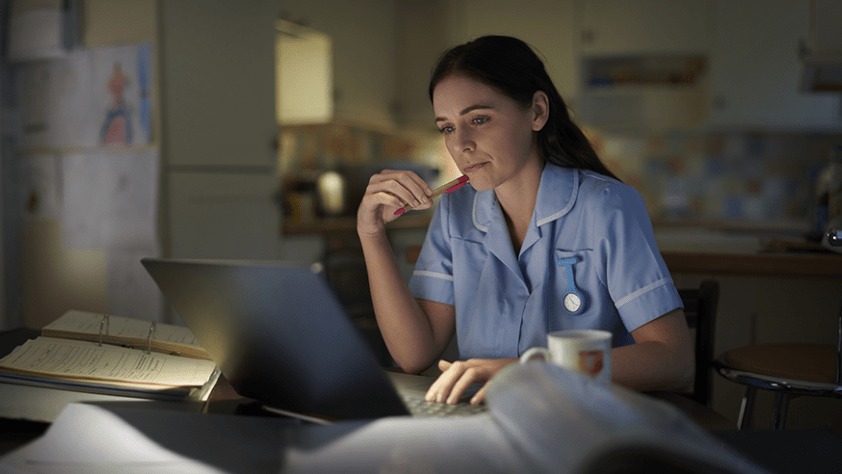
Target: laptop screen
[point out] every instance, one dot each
(279, 335)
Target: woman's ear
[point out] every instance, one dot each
(540, 110)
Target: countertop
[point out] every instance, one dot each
(743, 253)
(724, 250)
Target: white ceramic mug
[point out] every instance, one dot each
(583, 350)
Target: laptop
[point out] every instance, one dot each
(280, 336)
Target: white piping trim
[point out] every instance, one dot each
(425, 273)
(569, 202)
(474, 216)
(641, 291)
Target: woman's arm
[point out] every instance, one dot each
(416, 332)
(661, 357)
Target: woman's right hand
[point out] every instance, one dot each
(388, 191)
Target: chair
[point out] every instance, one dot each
(700, 306)
(789, 370)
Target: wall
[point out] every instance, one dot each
(765, 178)
(50, 277)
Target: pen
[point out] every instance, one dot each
(446, 188)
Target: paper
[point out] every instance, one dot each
(110, 200)
(40, 186)
(464, 445)
(89, 361)
(563, 421)
(540, 419)
(91, 98)
(90, 439)
(131, 291)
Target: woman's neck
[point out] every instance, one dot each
(517, 198)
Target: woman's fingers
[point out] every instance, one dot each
(386, 192)
(458, 376)
(455, 379)
(406, 186)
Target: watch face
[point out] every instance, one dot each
(572, 302)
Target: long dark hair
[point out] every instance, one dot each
(513, 68)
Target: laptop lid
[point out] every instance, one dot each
(279, 335)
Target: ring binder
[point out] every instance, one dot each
(153, 328)
(105, 323)
(103, 330)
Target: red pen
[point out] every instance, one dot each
(446, 188)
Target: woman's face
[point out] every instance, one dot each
(489, 136)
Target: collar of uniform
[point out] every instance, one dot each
(556, 196)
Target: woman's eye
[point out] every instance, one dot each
(480, 120)
(446, 129)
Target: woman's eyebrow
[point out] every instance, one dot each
(466, 110)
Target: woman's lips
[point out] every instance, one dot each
(473, 167)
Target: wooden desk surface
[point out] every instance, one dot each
(225, 400)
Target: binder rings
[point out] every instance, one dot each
(107, 354)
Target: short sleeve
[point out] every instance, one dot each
(432, 278)
(635, 274)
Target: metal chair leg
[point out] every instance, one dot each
(746, 408)
(779, 410)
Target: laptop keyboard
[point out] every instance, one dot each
(421, 408)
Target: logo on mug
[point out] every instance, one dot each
(591, 362)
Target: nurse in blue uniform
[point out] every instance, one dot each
(544, 237)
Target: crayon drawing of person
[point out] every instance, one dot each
(117, 127)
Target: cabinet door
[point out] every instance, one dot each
(223, 215)
(547, 25)
(363, 34)
(611, 27)
(755, 68)
(218, 82)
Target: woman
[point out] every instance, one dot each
(541, 219)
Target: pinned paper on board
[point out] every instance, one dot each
(91, 98)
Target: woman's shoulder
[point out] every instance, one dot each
(603, 191)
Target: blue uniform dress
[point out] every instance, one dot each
(506, 304)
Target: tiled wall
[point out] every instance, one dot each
(721, 176)
(739, 176)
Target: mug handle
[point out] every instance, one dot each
(535, 351)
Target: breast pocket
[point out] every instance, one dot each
(575, 282)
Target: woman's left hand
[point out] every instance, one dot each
(457, 376)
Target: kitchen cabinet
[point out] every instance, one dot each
(547, 25)
(643, 92)
(364, 52)
(619, 27)
(755, 69)
(422, 30)
(427, 29)
(218, 82)
(219, 183)
(304, 74)
(641, 63)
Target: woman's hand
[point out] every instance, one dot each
(456, 377)
(387, 192)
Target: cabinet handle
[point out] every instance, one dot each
(803, 49)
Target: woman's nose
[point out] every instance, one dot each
(464, 140)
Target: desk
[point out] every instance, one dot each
(225, 401)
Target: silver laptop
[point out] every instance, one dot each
(280, 336)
